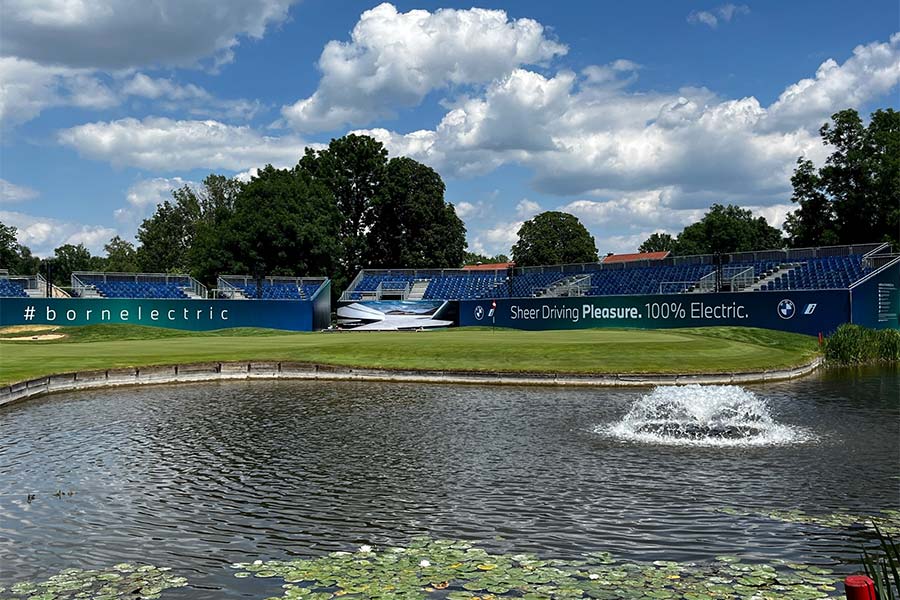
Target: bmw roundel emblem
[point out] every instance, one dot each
(479, 313)
(786, 309)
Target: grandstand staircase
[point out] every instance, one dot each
(782, 270)
(417, 291)
(575, 285)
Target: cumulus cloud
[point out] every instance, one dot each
(10, 192)
(43, 234)
(527, 208)
(394, 59)
(164, 144)
(143, 197)
(723, 14)
(120, 34)
(580, 138)
(873, 70)
(170, 95)
(27, 88)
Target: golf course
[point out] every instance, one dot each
(27, 353)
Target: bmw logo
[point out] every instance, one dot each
(479, 313)
(786, 309)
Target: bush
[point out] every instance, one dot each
(855, 345)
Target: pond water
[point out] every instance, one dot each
(197, 477)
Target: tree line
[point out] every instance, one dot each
(348, 207)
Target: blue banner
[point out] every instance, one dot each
(192, 315)
(809, 312)
(876, 301)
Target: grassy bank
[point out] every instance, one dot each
(722, 349)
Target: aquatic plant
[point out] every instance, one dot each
(887, 522)
(884, 569)
(455, 570)
(855, 345)
(125, 580)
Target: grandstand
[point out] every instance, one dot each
(98, 284)
(836, 267)
(27, 286)
(243, 287)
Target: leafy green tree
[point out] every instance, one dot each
(728, 229)
(165, 238)
(553, 238)
(121, 257)
(353, 169)
(284, 223)
(9, 247)
(814, 223)
(181, 236)
(412, 225)
(855, 197)
(473, 258)
(658, 242)
(214, 202)
(69, 258)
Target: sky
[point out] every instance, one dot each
(633, 116)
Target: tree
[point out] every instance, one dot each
(855, 197)
(182, 236)
(9, 247)
(473, 258)
(553, 238)
(284, 223)
(166, 237)
(352, 168)
(67, 259)
(728, 229)
(658, 242)
(121, 257)
(412, 225)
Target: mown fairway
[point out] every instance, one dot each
(587, 351)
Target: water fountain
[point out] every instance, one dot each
(724, 415)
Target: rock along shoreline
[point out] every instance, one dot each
(235, 371)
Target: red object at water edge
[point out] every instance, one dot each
(859, 587)
(821, 338)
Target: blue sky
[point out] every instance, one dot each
(633, 116)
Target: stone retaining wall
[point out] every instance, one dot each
(216, 371)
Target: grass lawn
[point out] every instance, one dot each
(714, 349)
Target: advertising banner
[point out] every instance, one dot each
(191, 315)
(808, 312)
(393, 315)
(876, 301)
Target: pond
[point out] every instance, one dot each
(197, 477)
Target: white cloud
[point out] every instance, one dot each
(169, 95)
(10, 192)
(168, 145)
(27, 88)
(465, 209)
(497, 239)
(873, 70)
(119, 34)
(526, 208)
(43, 234)
(723, 13)
(577, 137)
(143, 197)
(394, 59)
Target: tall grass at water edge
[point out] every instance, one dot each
(856, 345)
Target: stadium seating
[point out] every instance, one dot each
(11, 289)
(832, 272)
(815, 273)
(463, 287)
(138, 289)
